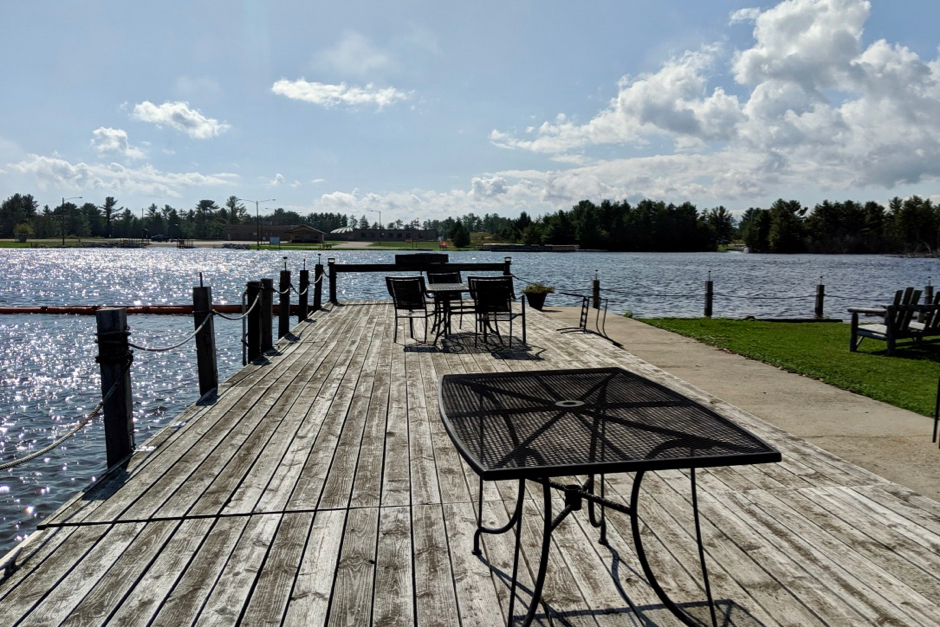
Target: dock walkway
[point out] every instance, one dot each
(321, 488)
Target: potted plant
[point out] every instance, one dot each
(535, 294)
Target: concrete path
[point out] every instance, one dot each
(888, 441)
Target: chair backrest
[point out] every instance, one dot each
(407, 292)
(451, 276)
(492, 294)
(904, 310)
(930, 315)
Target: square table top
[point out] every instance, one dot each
(447, 287)
(512, 425)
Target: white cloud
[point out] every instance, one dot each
(355, 55)
(114, 140)
(812, 108)
(54, 172)
(179, 116)
(333, 95)
(487, 187)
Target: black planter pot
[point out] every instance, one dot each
(536, 301)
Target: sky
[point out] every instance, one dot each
(424, 110)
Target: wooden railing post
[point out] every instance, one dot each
(254, 321)
(114, 359)
(318, 287)
(331, 263)
(302, 296)
(596, 293)
(267, 314)
(820, 299)
(507, 266)
(709, 295)
(206, 362)
(928, 293)
(283, 303)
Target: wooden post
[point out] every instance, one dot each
(331, 263)
(283, 305)
(709, 296)
(318, 287)
(254, 322)
(507, 266)
(820, 299)
(928, 293)
(114, 358)
(267, 314)
(302, 296)
(206, 362)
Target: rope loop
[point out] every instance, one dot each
(164, 349)
(241, 317)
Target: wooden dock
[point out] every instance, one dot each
(320, 488)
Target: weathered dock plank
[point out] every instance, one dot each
(320, 487)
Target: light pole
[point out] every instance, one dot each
(62, 216)
(381, 226)
(257, 216)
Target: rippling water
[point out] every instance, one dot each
(48, 376)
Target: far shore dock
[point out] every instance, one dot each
(320, 487)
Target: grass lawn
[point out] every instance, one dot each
(821, 351)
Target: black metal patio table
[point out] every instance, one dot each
(442, 293)
(538, 425)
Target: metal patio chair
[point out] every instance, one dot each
(409, 299)
(493, 299)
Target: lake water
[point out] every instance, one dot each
(48, 376)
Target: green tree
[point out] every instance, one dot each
(15, 210)
(755, 229)
(459, 235)
(721, 223)
(786, 227)
(235, 212)
(109, 209)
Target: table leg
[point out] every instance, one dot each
(547, 527)
(641, 553)
(597, 521)
(516, 515)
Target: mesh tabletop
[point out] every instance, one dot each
(447, 287)
(560, 422)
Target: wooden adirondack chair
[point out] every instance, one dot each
(896, 325)
(927, 323)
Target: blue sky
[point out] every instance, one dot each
(424, 109)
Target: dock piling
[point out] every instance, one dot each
(283, 304)
(318, 287)
(206, 362)
(302, 295)
(114, 359)
(253, 341)
(267, 314)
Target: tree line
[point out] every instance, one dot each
(910, 225)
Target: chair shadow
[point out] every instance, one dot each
(499, 347)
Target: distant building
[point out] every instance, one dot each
(294, 233)
(349, 234)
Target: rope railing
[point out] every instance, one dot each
(81, 424)
(747, 297)
(164, 349)
(242, 316)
